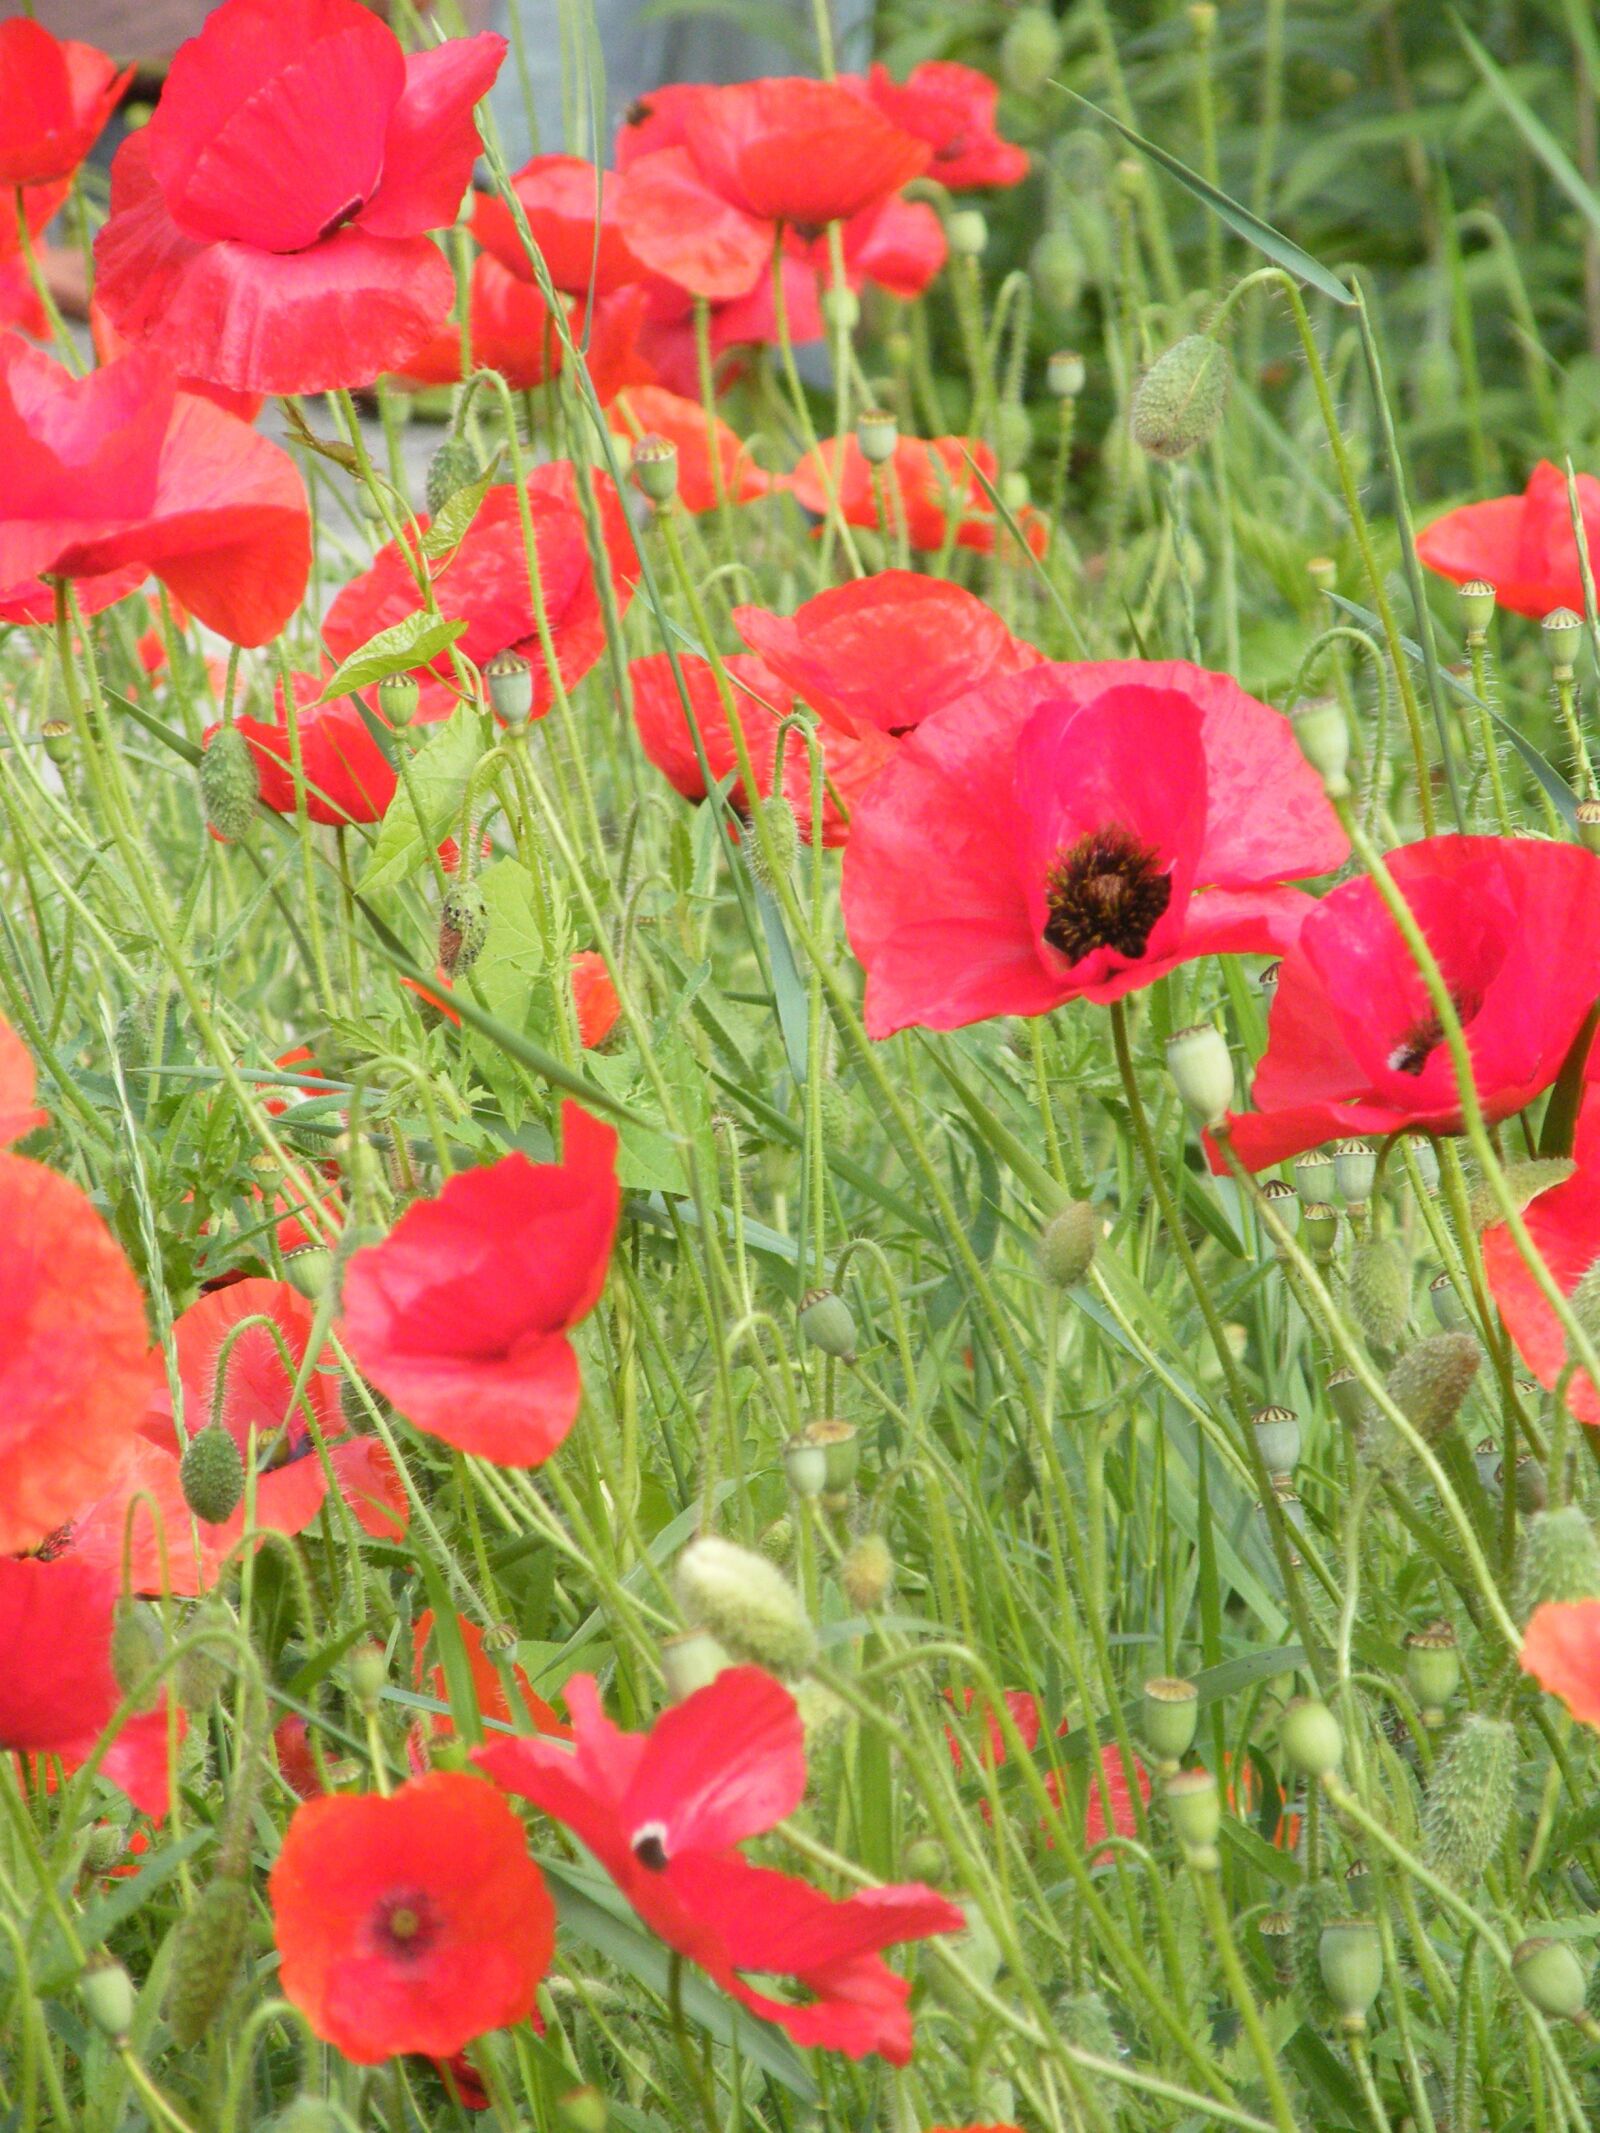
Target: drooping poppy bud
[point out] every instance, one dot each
(230, 784)
(1179, 402)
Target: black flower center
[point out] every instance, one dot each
(407, 1924)
(952, 150)
(1419, 1043)
(650, 1847)
(347, 213)
(1105, 891)
(637, 112)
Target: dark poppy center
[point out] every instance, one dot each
(650, 1847)
(952, 150)
(346, 214)
(1105, 891)
(407, 1924)
(1419, 1043)
(637, 112)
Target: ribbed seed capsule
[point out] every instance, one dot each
(828, 1323)
(1350, 1958)
(1277, 1433)
(1170, 1710)
(1355, 1170)
(1433, 1669)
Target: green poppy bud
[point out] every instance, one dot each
(926, 1860)
(230, 783)
(1563, 633)
(509, 680)
(56, 736)
(1056, 269)
(1323, 732)
(1431, 1380)
(746, 1603)
(207, 1947)
(463, 928)
(828, 1323)
(1557, 1560)
(967, 233)
(866, 1575)
(1030, 50)
(1470, 1799)
(136, 1645)
(1201, 1067)
(840, 308)
(1195, 1810)
(1350, 1959)
(1433, 1669)
(107, 1993)
(398, 695)
(1065, 1250)
(877, 435)
(1169, 1713)
(1476, 602)
(1013, 433)
(1277, 1431)
(1179, 402)
(583, 2110)
(1380, 1289)
(691, 1660)
(1311, 1738)
(211, 1474)
(1550, 1977)
(369, 1671)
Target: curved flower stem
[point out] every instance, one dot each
(1216, 1911)
(826, 466)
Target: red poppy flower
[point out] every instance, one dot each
(594, 998)
(436, 995)
(296, 1764)
(109, 344)
(647, 411)
(461, 1314)
(58, 98)
(1564, 1224)
(952, 108)
(484, 582)
(1353, 1044)
(258, 1394)
(1109, 1808)
(1561, 1650)
(413, 1923)
(1023, 1710)
(119, 472)
(76, 1370)
(1075, 832)
(883, 653)
(18, 1112)
(928, 482)
(572, 210)
(850, 763)
(511, 329)
(19, 300)
(1522, 545)
(269, 225)
(734, 164)
(57, 1689)
(488, 1685)
(348, 777)
(663, 1813)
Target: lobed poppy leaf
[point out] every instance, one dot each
(411, 643)
(438, 780)
(449, 526)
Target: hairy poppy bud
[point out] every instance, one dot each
(840, 308)
(509, 680)
(1350, 1958)
(107, 1993)
(1524, 1182)
(1201, 1067)
(1277, 1432)
(1015, 490)
(583, 2110)
(398, 695)
(967, 233)
(205, 1667)
(1065, 374)
(463, 928)
(828, 1323)
(1323, 733)
(1550, 1977)
(1056, 269)
(746, 1603)
(1179, 402)
(453, 467)
(1563, 633)
(56, 736)
(1195, 1810)
(206, 1949)
(1065, 1250)
(1380, 1289)
(1355, 1170)
(136, 1645)
(1013, 432)
(1169, 1711)
(1433, 1669)
(230, 783)
(1558, 1560)
(877, 434)
(1431, 1380)
(1476, 602)
(926, 1860)
(866, 1575)
(655, 468)
(1471, 1795)
(691, 1660)
(211, 1474)
(1311, 1738)
(1030, 50)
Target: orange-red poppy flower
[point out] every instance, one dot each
(1561, 1650)
(572, 211)
(649, 411)
(413, 1923)
(18, 1112)
(58, 96)
(1521, 545)
(928, 484)
(348, 778)
(594, 998)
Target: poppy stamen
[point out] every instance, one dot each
(1105, 891)
(650, 1847)
(1422, 1040)
(407, 1925)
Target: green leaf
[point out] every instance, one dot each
(102, 1918)
(1533, 130)
(456, 514)
(179, 743)
(412, 643)
(438, 777)
(1278, 248)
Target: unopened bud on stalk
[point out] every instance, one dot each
(107, 1993)
(1557, 1560)
(841, 309)
(691, 1660)
(967, 233)
(747, 1604)
(1350, 1958)
(1550, 1977)
(1380, 1289)
(1588, 819)
(398, 695)
(1448, 1308)
(1431, 1380)
(56, 735)
(230, 783)
(1015, 490)
(136, 1644)
(509, 680)
(1179, 402)
(1056, 269)
(1355, 1170)
(1065, 1250)
(1311, 1737)
(655, 468)
(1195, 1809)
(211, 1474)
(1476, 601)
(206, 1949)
(1169, 1712)
(1433, 1669)
(1013, 432)
(368, 1673)
(866, 1576)
(1030, 51)
(1065, 374)
(1323, 732)
(1202, 1072)
(1563, 633)
(1471, 1797)
(925, 1859)
(463, 928)
(827, 1321)
(877, 435)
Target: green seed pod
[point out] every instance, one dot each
(1323, 732)
(1433, 1669)
(967, 233)
(309, 1268)
(1350, 1960)
(206, 1950)
(1380, 1289)
(1558, 1559)
(806, 1465)
(107, 1993)
(1195, 1809)
(1311, 1738)
(1277, 1432)
(509, 680)
(583, 2110)
(1065, 373)
(1319, 1223)
(866, 1575)
(1169, 1713)
(1355, 1171)
(1588, 819)
(1426, 1157)
(1314, 1905)
(1030, 50)
(453, 467)
(1316, 1179)
(136, 1645)
(1431, 1380)
(56, 736)
(369, 1671)
(211, 1475)
(1470, 1799)
(1056, 268)
(1179, 402)
(1201, 1067)
(1528, 1483)
(463, 928)
(877, 435)
(1448, 1310)
(840, 1445)
(747, 1604)
(926, 1860)
(398, 696)
(1346, 1396)
(230, 784)
(1284, 1202)
(1476, 602)
(655, 469)
(1563, 633)
(978, 1952)
(1065, 1250)
(828, 1323)
(1551, 1978)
